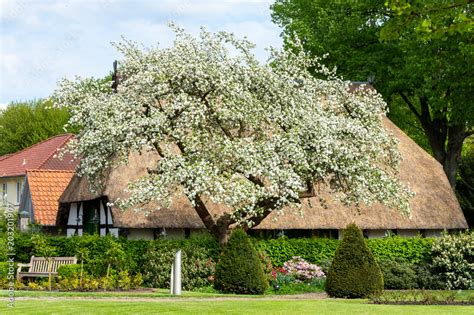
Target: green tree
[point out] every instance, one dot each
(465, 182)
(239, 269)
(354, 273)
(25, 123)
(431, 18)
(427, 74)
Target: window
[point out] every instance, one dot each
(91, 217)
(18, 192)
(4, 193)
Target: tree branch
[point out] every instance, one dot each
(468, 133)
(410, 104)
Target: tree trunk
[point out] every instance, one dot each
(220, 228)
(456, 137)
(223, 235)
(445, 141)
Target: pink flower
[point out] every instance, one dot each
(302, 270)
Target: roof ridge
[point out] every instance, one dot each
(69, 136)
(3, 157)
(49, 170)
(37, 144)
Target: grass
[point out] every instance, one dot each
(328, 306)
(431, 295)
(161, 302)
(206, 292)
(157, 293)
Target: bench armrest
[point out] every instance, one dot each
(22, 265)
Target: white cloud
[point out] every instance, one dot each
(43, 41)
(9, 63)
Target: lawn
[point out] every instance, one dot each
(29, 302)
(328, 306)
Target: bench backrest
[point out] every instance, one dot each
(40, 264)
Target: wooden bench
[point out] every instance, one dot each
(42, 267)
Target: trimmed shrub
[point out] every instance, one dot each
(398, 275)
(69, 271)
(239, 269)
(122, 280)
(197, 268)
(426, 278)
(453, 257)
(354, 273)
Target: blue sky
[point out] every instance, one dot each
(42, 41)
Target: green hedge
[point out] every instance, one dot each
(312, 250)
(411, 250)
(133, 253)
(69, 271)
(318, 250)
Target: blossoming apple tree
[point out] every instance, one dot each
(253, 137)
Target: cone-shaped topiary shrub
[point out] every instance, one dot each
(239, 269)
(354, 273)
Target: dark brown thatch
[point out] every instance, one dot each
(434, 207)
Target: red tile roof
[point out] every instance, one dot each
(3, 157)
(39, 156)
(46, 186)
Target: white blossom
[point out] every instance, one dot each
(246, 131)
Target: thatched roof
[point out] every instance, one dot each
(434, 207)
(180, 214)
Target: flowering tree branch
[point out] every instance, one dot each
(252, 137)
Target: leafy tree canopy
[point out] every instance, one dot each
(432, 19)
(23, 124)
(233, 131)
(388, 43)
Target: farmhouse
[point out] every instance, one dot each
(40, 156)
(434, 207)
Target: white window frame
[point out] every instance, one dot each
(4, 193)
(18, 192)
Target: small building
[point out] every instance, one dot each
(433, 209)
(39, 203)
(41, 155)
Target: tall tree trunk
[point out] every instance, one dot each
(456, 136)
(445, 141)
(220, 228)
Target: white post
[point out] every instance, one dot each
(176, 270)
(171, 278)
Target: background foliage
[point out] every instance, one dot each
(418, 54)
(23, 124)
(398, 257)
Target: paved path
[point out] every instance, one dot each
(307, 296)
